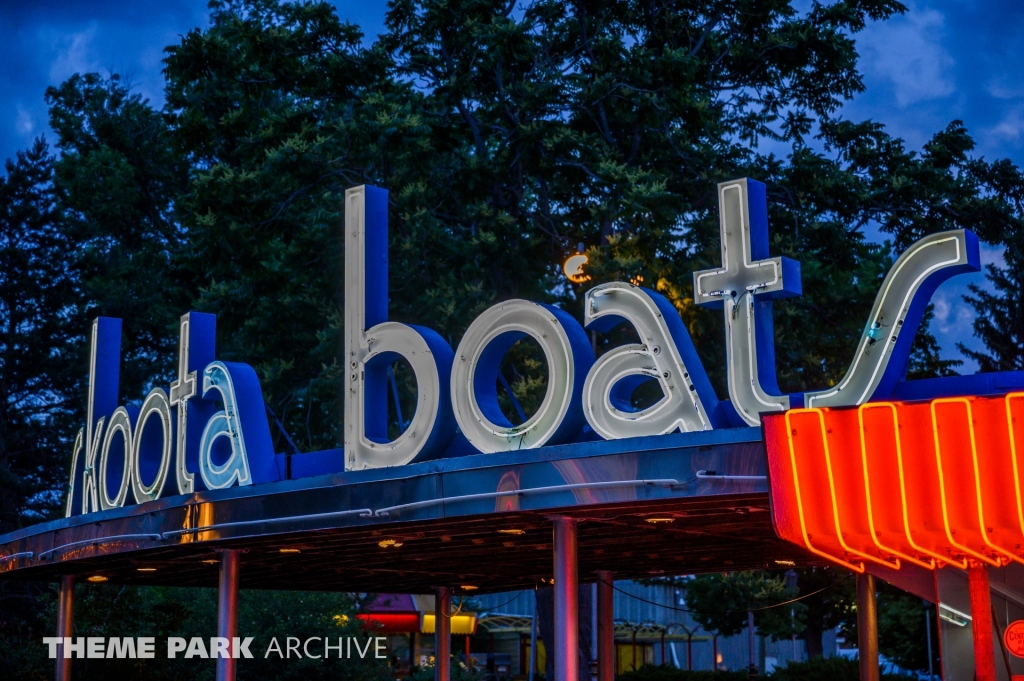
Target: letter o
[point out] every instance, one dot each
(156, 404)
(119, 423)
(475, 375)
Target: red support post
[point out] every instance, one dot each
(867, 628)
(605, 626)
(981, 625)
(567, 622)
(442, 633)
(227, 609)
(65, 620)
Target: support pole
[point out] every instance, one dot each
(981, 609)
(65, 620)
(751, 665)
(567, 632)
(605, 626)
(227, 609)
(592, 672)
(533, 637)
(442, 633)
(867, 628)
(928, 633)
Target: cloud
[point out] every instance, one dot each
(76, 55)
(953, 317)
(1010, 128)
(942, 308)
(1000, 89)
(992, 255)
(24, 125)
(908, 53)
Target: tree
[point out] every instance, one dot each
(116, 185)
(902, 629)
(1000, 320)
(723, 604)
(279, 110)
(36, 378)
(826, 596)
(507, 138)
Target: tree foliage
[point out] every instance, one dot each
(35, 343)
(804, 603)
(720, 602)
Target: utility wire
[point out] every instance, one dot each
(502, 605)
(767, 607)
(462, 600)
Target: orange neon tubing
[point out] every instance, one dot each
(1013, 456)
(916, 447)
(996, 562)
(831, 421)
(930, 563)
(996, 477)
(859, 568)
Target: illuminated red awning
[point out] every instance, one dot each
(391, 623)
(929, 483)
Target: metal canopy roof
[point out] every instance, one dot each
(481, 521)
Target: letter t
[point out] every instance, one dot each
(196, 349)
(744, 286)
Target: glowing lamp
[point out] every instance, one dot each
(573, 268)
(96, 579)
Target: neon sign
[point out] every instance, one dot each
(209, 431)
(927, 483)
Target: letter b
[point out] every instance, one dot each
(372, 343)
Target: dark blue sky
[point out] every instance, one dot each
(943, 60)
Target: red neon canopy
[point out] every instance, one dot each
(391, 623)
(929, 483)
